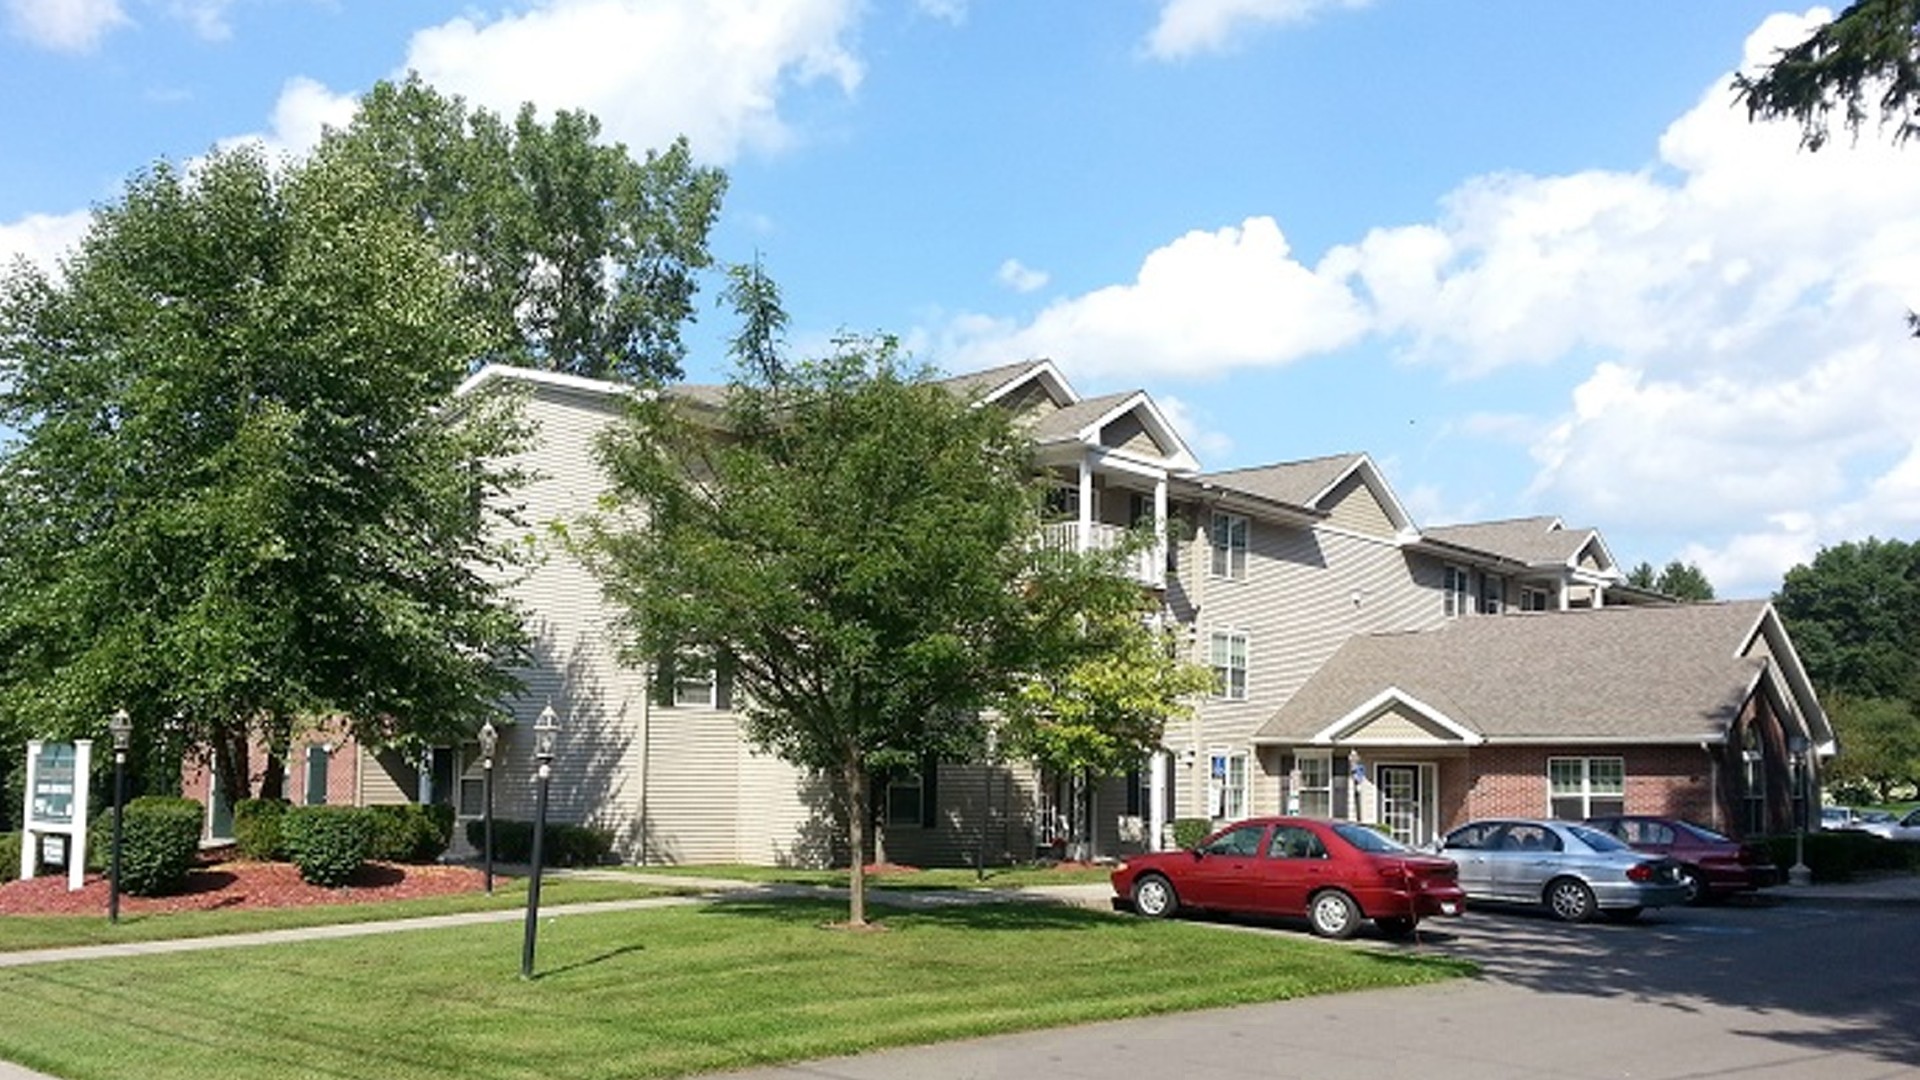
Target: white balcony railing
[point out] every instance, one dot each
(1141, 566)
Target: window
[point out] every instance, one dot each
(1229, 661)
(1533, 599)
(1229, 536)
(316, 775)
(1493, 589)
(1457, 589)
(692, 681)
(1586, 787)
(1316, 785)
(1227, 784)
(1244, 840)
(903, 799)
(1294, 842)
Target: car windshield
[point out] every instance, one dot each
(1701, 832)
(1369, 839)
(1598, 840)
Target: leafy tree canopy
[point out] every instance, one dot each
(231, 505)
(856, 541)
(1865, 61)
(572, 255)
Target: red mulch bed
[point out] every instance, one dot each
(237, 884)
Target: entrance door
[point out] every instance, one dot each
(1402, 808)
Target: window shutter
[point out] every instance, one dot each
(1342, 785)
(723, 682)
(929, 791)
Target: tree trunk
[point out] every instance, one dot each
(857, 810)
(230, 764)
(277, 734)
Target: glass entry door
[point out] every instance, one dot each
(1401, 809)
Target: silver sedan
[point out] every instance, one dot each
(1575, 871)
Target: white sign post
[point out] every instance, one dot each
(56, 806)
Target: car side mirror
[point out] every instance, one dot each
(1197, 853)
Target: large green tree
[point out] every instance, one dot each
(1865, 62)
(1682, 581)
(234, 504)
(1104, 714)
(855, 543)
(1854, 613)
(572, 255)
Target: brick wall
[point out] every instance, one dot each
(1511, 781)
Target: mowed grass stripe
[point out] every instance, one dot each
(649, 993)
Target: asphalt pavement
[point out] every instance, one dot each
(1510, 1022)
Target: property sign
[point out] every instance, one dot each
(53, 778)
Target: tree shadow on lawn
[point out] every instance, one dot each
(984, 915)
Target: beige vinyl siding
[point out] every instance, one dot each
(1029, 403)
(1128, 433)
(387, 778)
(998, 800)
(1353, 505)
(1400, 728)
(1306, 591)
(785, 815)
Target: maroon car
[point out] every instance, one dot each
(1711, 865)
(1334, 873)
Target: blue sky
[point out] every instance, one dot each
(1529, 256)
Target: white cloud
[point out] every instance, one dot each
(947, 11)
(207, 17)
(1186, 27)
(42, 239)
(650, 69)
(303, 112)
(66, 25)
(1020, 277)
(1204, 304)
(1206, 441)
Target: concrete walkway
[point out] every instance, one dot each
(1365, 1016)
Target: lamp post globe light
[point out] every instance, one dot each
(546, 734)
(489, 742)
(120, 726)
(1799, 873)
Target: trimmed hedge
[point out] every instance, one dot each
(160, 835)
(9, 856)
(564, 845)
(410, 833)
(1189, 831)
(256, 829)
(1838, 855)
(328, 843)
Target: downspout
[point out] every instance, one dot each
(1713, 785)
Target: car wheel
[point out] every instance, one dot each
(1696, 888)
(1570, 900)
(1332, 914)
(1622, 914)
(1153, 896)
(1396, 927)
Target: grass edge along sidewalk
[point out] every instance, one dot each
(658, 992)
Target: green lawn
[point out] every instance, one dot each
(662, 992)
(20, 932)
(995, 877)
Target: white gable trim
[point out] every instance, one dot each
(1043, 372)
(506, 372)
(1178, 458)
(1370, 475)
(1328, 735)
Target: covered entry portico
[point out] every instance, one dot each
(1385, 763)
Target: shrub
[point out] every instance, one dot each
(1189, 831)
(410, 833)
(1840, 854)
(160, 834)
(9, 856)
(328, 843)
(256, 829)
(565, 845)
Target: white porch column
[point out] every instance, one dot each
(1156, 799)
(1599, 595)
(1086, 506)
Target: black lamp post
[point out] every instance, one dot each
(546, 732)
(120, 726)
(489, 741)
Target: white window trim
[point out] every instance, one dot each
(1587, 794)
(1223, 687)
(1455, 602)
(1303, 789)
(1236, 555)
(1227, 801)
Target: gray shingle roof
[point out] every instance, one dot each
(986, 382)
(1066, 423)
(1292, 482)
(1655, 673)
(1535, 541)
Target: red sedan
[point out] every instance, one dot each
(1711, 865)
(1334, 873)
